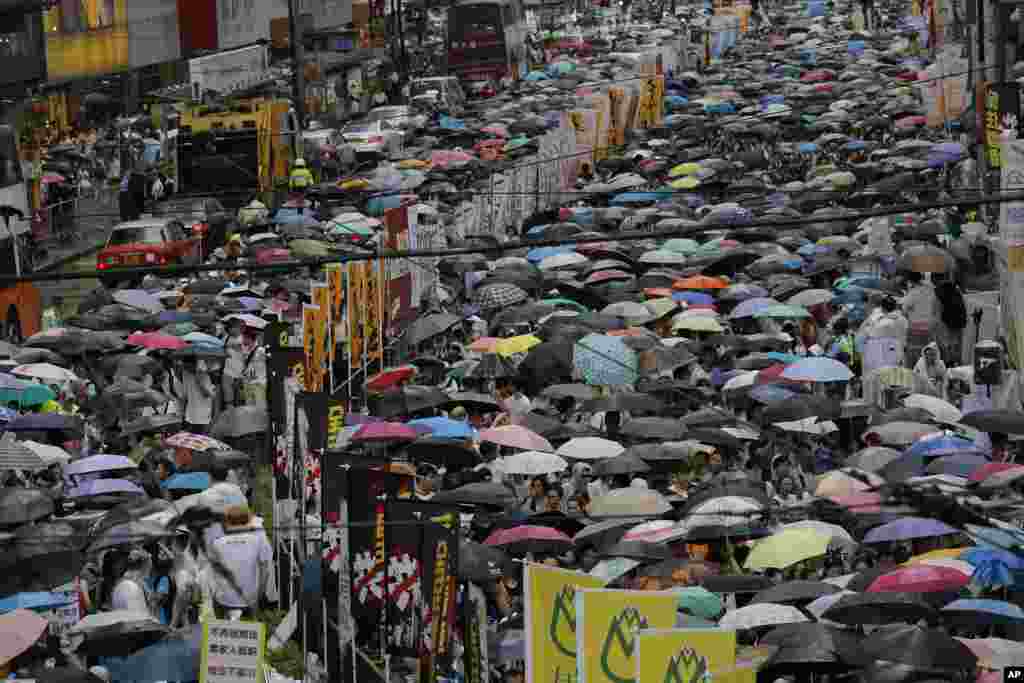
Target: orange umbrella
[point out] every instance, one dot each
(700, 282)
(657, 292)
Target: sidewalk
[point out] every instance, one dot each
(91, 229)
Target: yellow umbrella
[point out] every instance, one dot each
(687, 183)
(786, 548)
(412, 164)
(514, 345)
(687, 168)
(940, 554)
(356, 184)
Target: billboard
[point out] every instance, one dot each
(85, 38)
(152, 32)
(226, 71)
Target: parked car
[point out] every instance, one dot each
(150, 241)
(398, 117)
(438, 91)
(374, 139)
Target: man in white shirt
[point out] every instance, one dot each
(242, 564)
(220, 497)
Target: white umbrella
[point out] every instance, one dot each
(762, 614)
(740, 382)
(808, 425)
(722, 511)
(590, 448)
(943, 411)
(614, 567)
(47, 453)
(630, 502)
(562, 261)
(47, 372)
(655, 531)
(533, 463)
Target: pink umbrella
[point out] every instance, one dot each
(607, 276)
(19, 630)
(156, 340)
(866, 502)
(988, 469)
(515, 436)
(52, 178)
(485, 344)
(816, 76)
(911, 121)
(265, 256)
(444, 157)
(196, 442)
(530, 538)
(385, 431)
(919, 578)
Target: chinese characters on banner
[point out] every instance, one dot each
(336, 289)
(1002, 113)
(232, 652)
(398, 299)
(356, 311)
(1011, 233)
(310, 321)
(652, 99)
(373, 323)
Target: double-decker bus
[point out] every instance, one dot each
(487, 39)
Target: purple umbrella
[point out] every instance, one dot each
(252, 303)
(908, 528)
(751, 307)
(105, 487)
(99, 463)
(353, 419)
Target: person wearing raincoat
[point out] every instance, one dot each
(253, 213)
(931, 371)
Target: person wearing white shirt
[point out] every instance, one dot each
(242, 568)
(221, 496)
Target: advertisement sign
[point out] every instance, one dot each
(232, 651)
(85, 38)
(1011, 234)
(684, 655)
(357, 304)
(373, 320)
(606, 625)
(312, 331)
(230, 70)
(549, 597)
(64, 617)
(336, 290)
(1002, 113)
(652, 99)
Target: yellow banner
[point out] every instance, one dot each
(619, 106)
(320, 295)
(606, 625)
(356, 311)
(310, 322)
(550, 618)
(336, 289)
(684, 655)
(374, 308)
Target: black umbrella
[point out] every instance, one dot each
(492, 366)
(153, 423)
(865, 578)
(21, 505)
(799, 408)
(443, 453)
(240, 421)
(630, 402)
(922, 647)
(25, 356)
(736, 583)
(547, 363)
(812, 647)
(653, 428)
(575, 391)
(482, 563)
(715, 437)
(42, 556)
(472, 401)
(638, 550)
(429, 326)
(122, 638)
(486, 494)
(408, 400)
(660, 452)
(557, 520)
(623, 463)
(879, 609)
(66, 674)
(138, 532)
(995, 421)
(795, 592)
(709, 417)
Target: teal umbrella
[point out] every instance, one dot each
(700, 602)
(13, 390)
(783, 312)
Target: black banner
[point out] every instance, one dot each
(440, 566)
(281, 364)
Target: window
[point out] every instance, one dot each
(176, 231)
(15, 45)
(148, 234)
(10, 166)
(76, 16)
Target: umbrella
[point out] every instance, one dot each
(33, 601)
(811, 647)
(105, 487)
(134, 532)
(920, 647)
(488, 494)
(515, 436)
(384, 432)
(970, 612)
(879, 608)
(817, 369)
(736, 583)
(187, 481)
(630, 502)
(196, 442)
(795, 592)
(444, 428)
(908, 528)
(533, 463)
(637, 550)
(590, 448)
(117, 633)
(604, 360)
(943, 411)
(429, 326)
(699, 602)
(99, 463)
(482, 563)
(14, 390)
(621, 464)
(612, 568)
(176, 657)
(21, 505)
(873, 459)
(45, 372)
(408, 400)
(786, 548)
(19, 630)
(240, 421)
(530, 539)
(16, 456)
(1002, 421)
(919, 578)
(761, 615)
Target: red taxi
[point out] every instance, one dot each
(146, 242)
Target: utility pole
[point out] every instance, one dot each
(298, 76)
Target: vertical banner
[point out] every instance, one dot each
(356, 312)
(684, 655)
(606, 625)
(311, 325)
(617, 123)
(440, 563)
(336, 287)
(373, 276)
(651, 101)
(336, 548)
(398, 298)
(475, 661)
(1011, 234)
(549, 600)
(1002, 114)
(320, 295)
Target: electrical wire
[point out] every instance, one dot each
(316, 263)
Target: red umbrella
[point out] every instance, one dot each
(990, 468)
(387, 379)
(607, 276)
(530, 539)
(919, 578)
(657, 292)
(265, 256)
(156, 340)
(385, 431)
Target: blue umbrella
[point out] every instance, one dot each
(720, 108)
(959, 465)
(7, 414)
(636, 198)
(944, 444)
(41, 601)
(771, 393)
(540, 253)
(817, 369)
(13, 390)
(175, 658)
(992, 574)
(694, 298)
(855, 145)
(751, 307)
(376, 206)
(444, 428)
(991, 537)
(907, 528)
(604, 360)
(786, 358)
(534, 76)
(983, 611)
(188, 481)
(807, 148)
(172, 317)
(978, 555)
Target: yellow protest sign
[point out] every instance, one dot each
(310, 322)
(606, 625)
(684, 655)
(336, 288)
(373, 276)
(549, 595)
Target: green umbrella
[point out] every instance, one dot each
(681, 245)
(698, 601)
(309, 248)
(566, 303)
(783, 312)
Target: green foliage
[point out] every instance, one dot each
(263, 498)
(287, 660)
